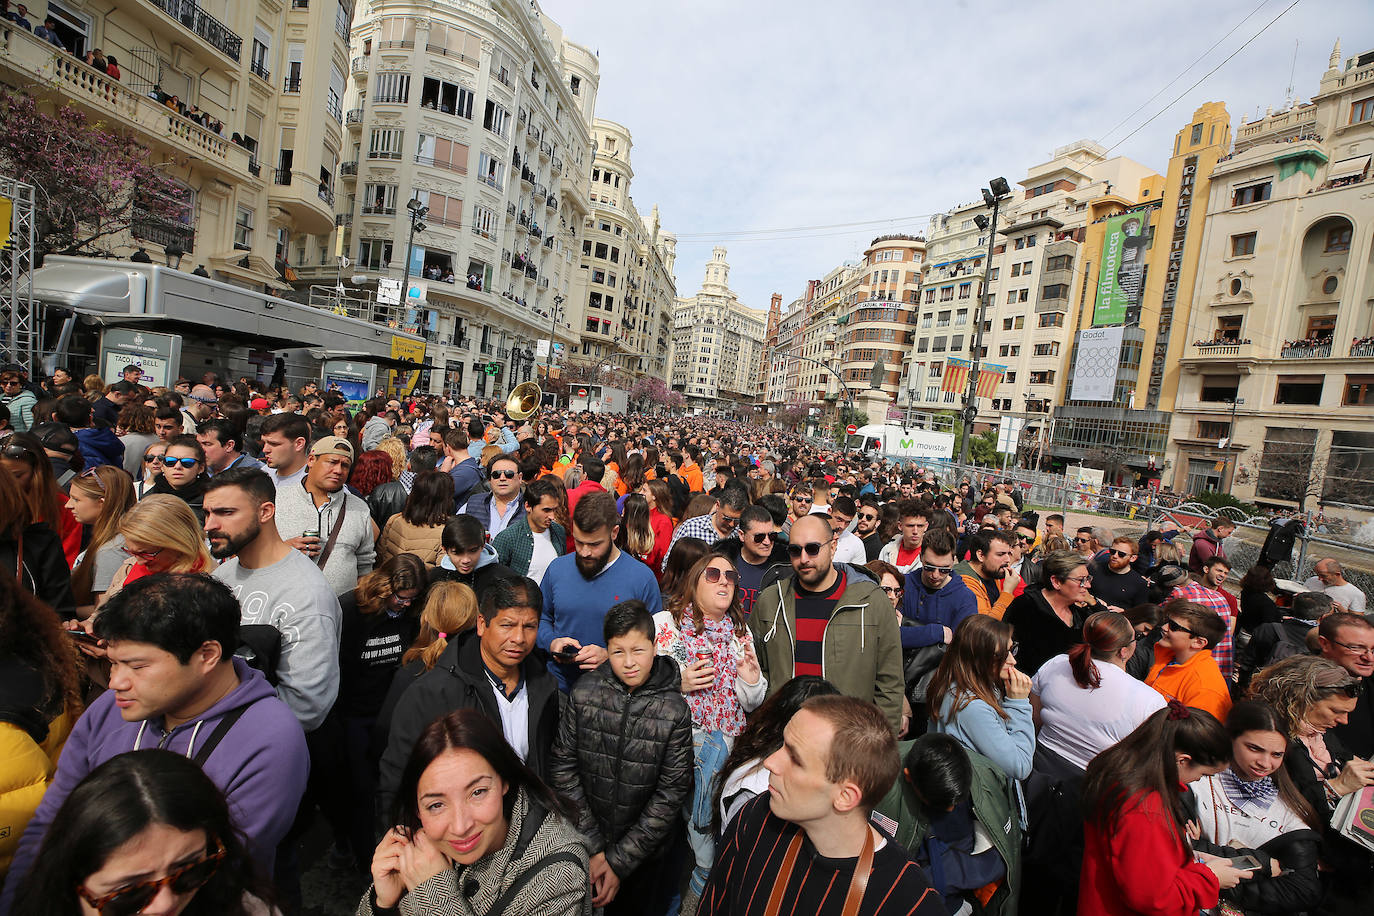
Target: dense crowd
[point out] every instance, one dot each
(634, 664)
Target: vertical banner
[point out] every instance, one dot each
(1122, 267)
(956, 375)
(989, 377)
(1094, 370)
(403, 383)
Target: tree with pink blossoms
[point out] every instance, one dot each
(94, 185)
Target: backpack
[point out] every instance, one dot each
(682, 494)
(260, 647)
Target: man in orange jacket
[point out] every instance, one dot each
(988, 572)
(1184, 669)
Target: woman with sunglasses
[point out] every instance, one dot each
(151, 469)
(146, 832)
(1254, 807)
(419, 527)
(99, 498)
(1314, 695)
(1048, 620)
(23, 455)
(703, 629)
(978, 695)
(161, 534)
(183, 473)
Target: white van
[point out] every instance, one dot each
(898, 442)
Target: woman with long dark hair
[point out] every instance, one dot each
(419, 527)
(636, 535)
(24, 457)
(132, 811)
(1257, 605)
(1254, 806)
(978, 695)
(30, 550)
(1085, 701)
(1137, 859)
(684, 555)
(99, 497)
(477, 832)
(742, 776)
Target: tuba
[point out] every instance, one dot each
(523, 401)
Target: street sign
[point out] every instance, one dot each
(388, 291)
(851, 429)
(582, 392)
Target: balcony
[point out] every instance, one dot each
(308, 201)
(1303, 349)
(291, 85)
(361, 65)
(457, 167)
(1363, 347)
(259, 69)
(161, 232)
(349, 169)
(1222, 347)
(343, 219)
(354, 116)
(378, 210)
(216, 33)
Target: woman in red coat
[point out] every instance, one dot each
(1136, 858)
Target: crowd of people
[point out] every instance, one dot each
(574, 663)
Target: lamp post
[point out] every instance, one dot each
(1231, 445)
(553, 323)
(993, 194)
(174, 253)
(848, 395)
(418, 212)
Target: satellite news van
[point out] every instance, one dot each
(895, 441)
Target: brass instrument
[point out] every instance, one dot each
(524, 401)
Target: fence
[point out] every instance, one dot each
(1142, 510)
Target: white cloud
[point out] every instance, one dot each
(749, 114)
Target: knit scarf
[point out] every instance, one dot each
(1253, 798)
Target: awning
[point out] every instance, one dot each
(386, 362)
(1348, 168)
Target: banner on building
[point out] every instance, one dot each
(403, 383)
(1094, 370)
(989, 377)
(1122, 270)
(956, 375)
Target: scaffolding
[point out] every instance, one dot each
(18, 316)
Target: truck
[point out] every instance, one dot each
(598, 399)
(893, 441)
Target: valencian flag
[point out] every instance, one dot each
(956, 377)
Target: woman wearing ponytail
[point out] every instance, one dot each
(1085, 701)
(1136, 857)
(1254, 807)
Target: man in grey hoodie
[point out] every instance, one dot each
(308, 511)
(378, 426)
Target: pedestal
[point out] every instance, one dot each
(873, 403)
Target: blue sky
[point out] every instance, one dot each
(755, 114)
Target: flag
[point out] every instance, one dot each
(956, 375)
(989, 377)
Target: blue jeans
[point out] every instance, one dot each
(709, 750)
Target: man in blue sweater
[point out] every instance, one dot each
(933, 597)
(579, 588)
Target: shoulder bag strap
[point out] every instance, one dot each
(535, 869)
(333, 533)
(859, 883)
(789, 862)
(225, 723)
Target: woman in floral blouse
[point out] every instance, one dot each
(703, 629)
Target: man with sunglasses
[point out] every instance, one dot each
(933, 596)
(798, 506)
(175, 684)
(499, 506)
(1184, 669)
(720, 523)
(866, 519)
(756, 553)
(829, 620)
(1115, 582)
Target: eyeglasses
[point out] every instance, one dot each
(713, 574)
(1176, 627)
(763, 536)
(1358, 650)
(1083, 581)
(1118, 553)
(812, 549)
(133, 898)
(892, 590)
(169, 461)
(90, 474)
(503, 475)
(938, 570)
(142, 554)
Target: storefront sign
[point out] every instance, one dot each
(158, 355)
(1171, 280)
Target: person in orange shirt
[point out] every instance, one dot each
(1184, 669)
(691, 471)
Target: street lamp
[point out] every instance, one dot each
(1231, 445)
(553, 322)
(174, 253)
(993, 195)
(418, 212)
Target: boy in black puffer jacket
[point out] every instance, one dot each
(624, 755)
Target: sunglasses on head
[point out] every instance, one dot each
(90, 474)
(713, 574)
(169, 461)
(812, 549)
(134, 898)
(503, 475)
(17, 453)
(1351, 690)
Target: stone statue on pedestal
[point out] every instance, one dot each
(877, 374)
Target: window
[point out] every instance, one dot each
(1059, 262)
(1219, 387)
(243, 229)
(1329, 285)
(443, 210)
(930, 295)
(1228, 327)
(615, 255)
(1047, 349)
(1359, 391)
(992, 274)
(1044, 377)
(496, 119)
(575, 84)
(483, 221)
(1011, 376)
(1338, 238)
(447, 98)
(1213, 429)
(956, 343)
(1022, 295)
(965, 290)
(491, 170)
(379, 199)
(1055, 291)
(946, 294)
(374, 254)
(262, 46)
(1251, 194)
(1363, 110)
(1321, 327)
(1011, 296)
(442, 154)
(1197, 135)
(392, 87)
(1242, 245)
(1285, 463)
(1298, 390)
(1006, 324)
(385, 144)
(1030, 241)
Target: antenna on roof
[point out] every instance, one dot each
(1288, 98)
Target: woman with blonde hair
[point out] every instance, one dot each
(99, 498)
(161, 534)
(397, 450)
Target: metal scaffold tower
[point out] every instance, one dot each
(18, 316)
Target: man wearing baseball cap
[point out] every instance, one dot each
(321, 518)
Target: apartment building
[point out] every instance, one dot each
(265, 81)
(876, 323)
(466, 171)
(626, 290)
(718, 344)
(782, 375)
(1276, 394)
